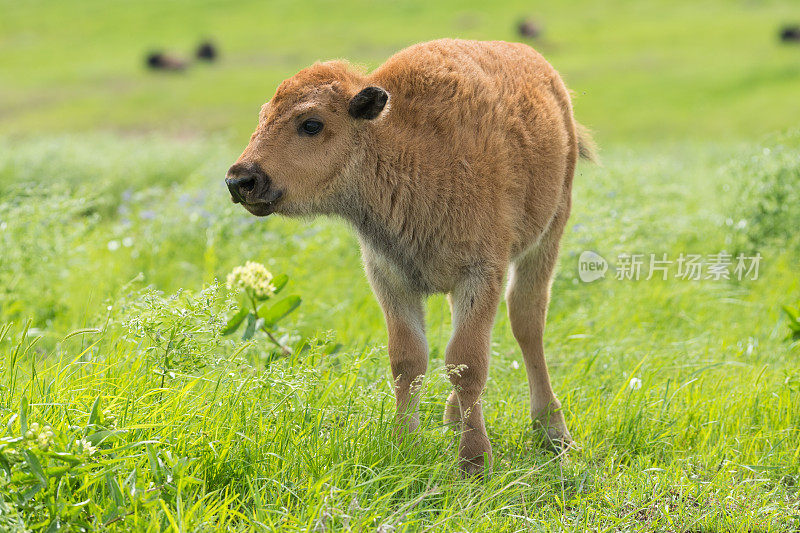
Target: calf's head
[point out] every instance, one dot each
(305, 150)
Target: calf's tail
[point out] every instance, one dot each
(587, 148)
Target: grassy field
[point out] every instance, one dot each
(640, 70)
(683, 396)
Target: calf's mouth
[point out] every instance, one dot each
(263, 207)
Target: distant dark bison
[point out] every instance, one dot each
(790, 34)
(207, 51)
(529, 29)
(162, 61)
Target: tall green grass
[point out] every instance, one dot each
(115, 227)
(231, 438)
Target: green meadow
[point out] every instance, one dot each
(124, 406)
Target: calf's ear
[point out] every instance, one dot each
(369, 103)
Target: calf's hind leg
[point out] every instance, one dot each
(452, 411)
(528, 294)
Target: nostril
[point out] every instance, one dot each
(240, 186)
(245, 180)
(247, 184)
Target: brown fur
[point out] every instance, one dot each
(464, 175)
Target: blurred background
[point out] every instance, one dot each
(640, 71)
(118, 121)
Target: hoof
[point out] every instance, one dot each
(552, 424)
(404, 426)
(474, 468)
(558, 442)
(474, 455)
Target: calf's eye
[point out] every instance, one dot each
(311, 127)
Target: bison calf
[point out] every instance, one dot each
(454, 162)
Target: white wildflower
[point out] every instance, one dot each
(109, 418)
(32, 432)
(113, 245)
(84, 446)
(127, 242)
(635, 384)
(515, 365)
(12, 455)
(253, 277)
(42, 435)
(45, 438)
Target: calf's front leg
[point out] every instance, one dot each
(474, 304)
(407, 345)
(408, 356)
